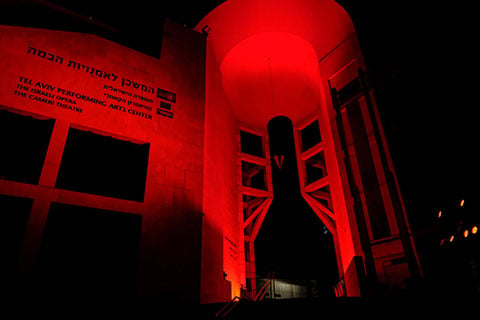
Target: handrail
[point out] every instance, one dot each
(340, 290)
(263, 290)
(228, 307)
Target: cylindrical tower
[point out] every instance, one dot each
(301, 60)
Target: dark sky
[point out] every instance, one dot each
(421, 59)
(423, 64)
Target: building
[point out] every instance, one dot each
(126, 173)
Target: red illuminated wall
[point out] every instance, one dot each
(222, 245)
(46, 73)
(257, 60)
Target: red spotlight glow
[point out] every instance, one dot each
(465, 234)
(440, 214)
(462, 202)
(451, 238)
(474, 230)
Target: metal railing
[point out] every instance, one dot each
(227, 308)
(263, 290)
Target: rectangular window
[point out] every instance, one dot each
(88, 250)
(310, 135)
(315, 168)
(14, 214)
(250, 204)
(103, 165)
(323, 196)
(349, 91)
(251, 144)
(23, 143)
(253, 176)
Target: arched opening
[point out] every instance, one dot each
(293, 242)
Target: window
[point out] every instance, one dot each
(310, 135)
(87, 250)
(253, 176)
(323, 196)
(315, 168)
(24, 142)
(251, 144)
(13, 222)
(349, 91)
(103, 165)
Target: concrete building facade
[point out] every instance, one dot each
(138, 179)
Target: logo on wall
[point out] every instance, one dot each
(165, 108)
(166, 95)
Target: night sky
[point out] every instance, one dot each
(422, 61)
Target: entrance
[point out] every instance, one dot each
(292, 242)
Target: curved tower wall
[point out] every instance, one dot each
(303, 60)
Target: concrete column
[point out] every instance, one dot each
(41, 203)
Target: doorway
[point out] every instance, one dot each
(293, 242)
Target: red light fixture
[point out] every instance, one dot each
(462, 202)
(439, 214)
(465, 234)
(451, 238)
(474, 230)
